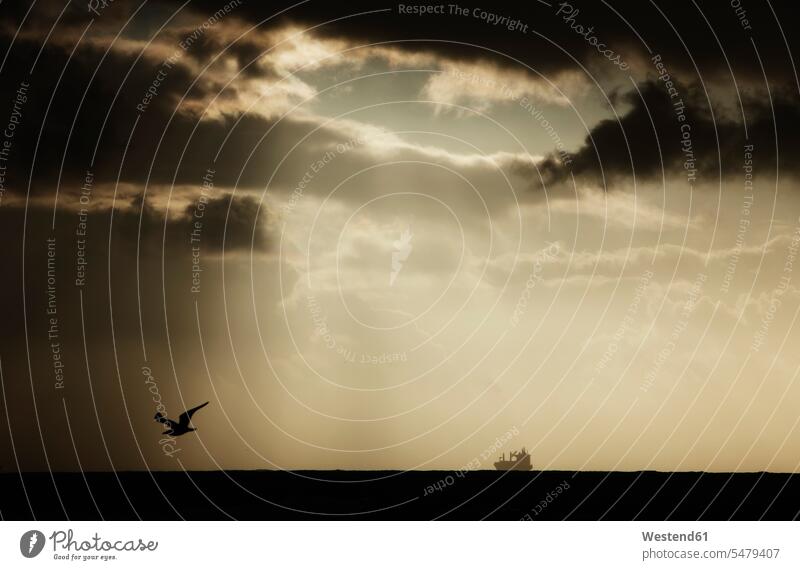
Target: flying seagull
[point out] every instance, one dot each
(182, 425)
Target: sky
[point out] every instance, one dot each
(399, 236)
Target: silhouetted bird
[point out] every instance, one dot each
(182, 425)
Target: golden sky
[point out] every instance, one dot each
(384, 241)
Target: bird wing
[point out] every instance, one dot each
(169, 424)
(186, 416)
(162, 419)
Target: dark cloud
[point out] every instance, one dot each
(100, 94)
(651, 139)
(51, 109)
(121, 115)
(231, 224)
(686, 35)
(117, 242)
(99, 106)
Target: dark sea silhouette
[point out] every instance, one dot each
(389, 495)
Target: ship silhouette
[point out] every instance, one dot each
(517, 461)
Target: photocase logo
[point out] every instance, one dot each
(31, 543)
(402, 249)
